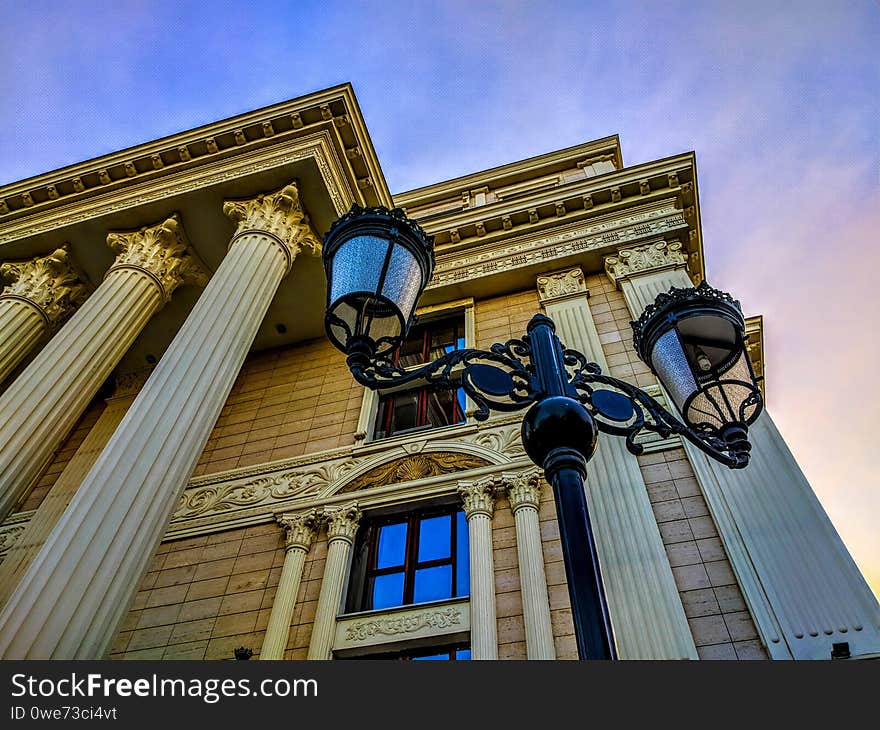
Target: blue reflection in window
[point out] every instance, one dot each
(463, 654)
(433, 584)
(392, 546)
(388, 590)
(434, 538)
(432, 657)
(462, 567)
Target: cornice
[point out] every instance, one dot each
(318, 146)
(334, 112)
(531, 167)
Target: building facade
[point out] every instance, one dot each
(187, 466)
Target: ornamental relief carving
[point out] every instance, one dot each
(410, 468)
(407, 623)
(311, 476)
(561, 284)
(163, 251)
(49, 282)
(629, 261)
(9, 534)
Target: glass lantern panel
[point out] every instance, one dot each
(721, 403)
(357, 266)
(671, 365)
(403, 281)
(708, 339)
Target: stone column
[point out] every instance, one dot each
(479, 504)
(524, 493)
(53, 505)
(41, 294)
(647, 616)
(72, 599)
(300, 529)
(42, 405)
(342, 524)
(802, 586)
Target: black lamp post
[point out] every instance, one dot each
(378, 263)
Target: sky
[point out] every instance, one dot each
(780, 100)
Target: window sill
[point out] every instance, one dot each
(402, 627)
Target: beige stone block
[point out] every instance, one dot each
(730, 598)
(120, 643)
(207, 588)
(709, 630)
(688, 487)
(558, 597)
(130, 621)
(149, 638)
(668, 511)
(717, 652)
(690, 577)
(245, 582)
(262, 543)
(561, 622)
(720, 573)
(711, 549)
(215, 568)
(145, 654)
(175, 576)
(661, 492)
(653, 473)
(204, 608)
(160, 616)
(694, 506)
(676, 531)
(750, 650)
(255, 561)
(237, 623)
(188, 631)
(220, 551)
(683, 553)
(241, 602)
(740, 626)
(700, 602)
(508, 605)
(516, 650)
(192, 651)
(702, 527)
(190, 556)
(166, 596)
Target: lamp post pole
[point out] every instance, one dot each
(559, 435)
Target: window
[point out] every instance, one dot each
(423, 407)
(410, 558)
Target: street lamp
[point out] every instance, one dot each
(378, 263)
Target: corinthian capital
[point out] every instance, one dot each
(644, 259)
(523, 489)
(49, 283)
(478, 497)
(342, 522)
(300, 529)
(280, 215)
(561, 284)
(162, 251)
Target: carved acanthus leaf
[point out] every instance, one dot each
(561, 284)
(342, 522)
(478, 497)
(162, 251)
(50, 283)
(300, 528)
(643, 259)
(279, 214)
(523, 488)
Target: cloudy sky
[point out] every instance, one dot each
(780, 101)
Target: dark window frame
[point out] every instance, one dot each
(364, 572)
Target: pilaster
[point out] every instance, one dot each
(524, 493)
(342, 524)
(300, 529)
(647, 616)
(802, 587)
(478, 499)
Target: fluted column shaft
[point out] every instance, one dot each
(801, 584)
(646, 611)
(341, 529)
(42, 293)
(479, 504)
(72, 599)
(39, 527)
(40, 408)
(299, 538)
(524, 491)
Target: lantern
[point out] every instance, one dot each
(378, 262)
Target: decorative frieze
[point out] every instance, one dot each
(653, 256)
(407, 623)
(279, 215)
(162, 251)
(50, 283)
